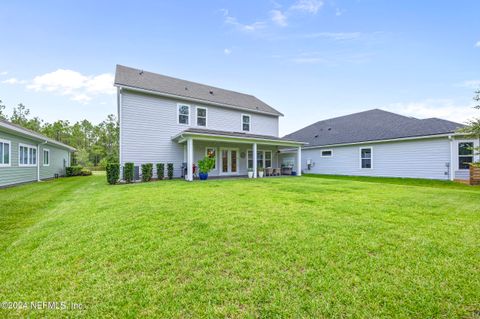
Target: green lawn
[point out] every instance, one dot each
(279, 247)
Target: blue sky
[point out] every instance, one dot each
(310, 59)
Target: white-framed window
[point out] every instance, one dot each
(183, 112)
(246, 122)
(212, 152)
(5, 153)
(46, 157)
(264, 159)
(326, 153)
(201, 116)
(366, 157)
(27, 155)
(465, 154)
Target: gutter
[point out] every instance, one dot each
(180, 97)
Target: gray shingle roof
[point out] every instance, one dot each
(9, 126)
(237, 134)
(135, 78)
(370, 125)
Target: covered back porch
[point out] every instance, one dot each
(235, 153)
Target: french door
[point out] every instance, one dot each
(228, 161)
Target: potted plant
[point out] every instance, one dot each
(250, 173)
(260, 172)
(204, 166)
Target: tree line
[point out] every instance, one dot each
(96, 145)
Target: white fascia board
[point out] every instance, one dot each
(179, 97)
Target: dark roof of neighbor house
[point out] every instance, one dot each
(371, 125)
(237, 134)
(139, 79)
(14, 128)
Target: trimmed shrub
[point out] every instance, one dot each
(113, 173)
(161, 171)
(85, 172)
(170, 170)
(73, 170)
(128, 172)
(147, 172)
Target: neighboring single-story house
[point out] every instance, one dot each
(169, 120)
(27, 156)
(381, 143)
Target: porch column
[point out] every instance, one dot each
(254, 158)
(189, 159)
(299, 161)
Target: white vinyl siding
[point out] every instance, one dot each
(149, 122)
(428, 158)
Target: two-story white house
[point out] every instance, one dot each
(168, 120)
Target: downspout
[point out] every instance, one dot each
(451, 168)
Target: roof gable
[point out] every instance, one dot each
(139, 79)
(372, 125)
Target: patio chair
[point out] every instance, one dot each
(268, 171)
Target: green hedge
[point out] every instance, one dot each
(113, 173)
(128, 172)
(161, 171)
(170, 170)
(147, 172)
(74, 171)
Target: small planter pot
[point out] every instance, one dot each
(203, 176)
(250, 174)
(260, 174)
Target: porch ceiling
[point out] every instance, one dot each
(237, 137)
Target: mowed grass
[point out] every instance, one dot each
(275, 247)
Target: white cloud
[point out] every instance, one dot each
(446, 109)
(71, 83)
(3, 72)
(471, 84)
(477, 45)
(240, 26)
(14, 81)
(310, 6)
(227, 51)
(338, 12)
(278, 18)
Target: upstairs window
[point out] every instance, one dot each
(46, 157)
(245, 123)
(201, 116)
(4, 153)
(27, 155)
(183, 114)
(326, 153)
(465, 155)
(366, 157)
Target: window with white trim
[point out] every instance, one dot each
(212, 152)
(264, 159)
(246, 119)
(326, 153)
(366, 157)
(201, 116)
(46, 157)
(27, 155)
(5, 147)
(183, 114)
(465, 154)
